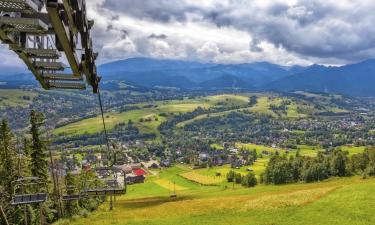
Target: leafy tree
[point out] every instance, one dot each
(358, 163)
(315, 171)
(278, 171)
(338, 163)
(230, 176)
(249, 180)
(369, 157)
(238, 178)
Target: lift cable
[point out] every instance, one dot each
(103, 120)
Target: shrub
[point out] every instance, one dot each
(238, 178)
(230, 176)
(249, 180)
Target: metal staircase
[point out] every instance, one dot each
(45, 34)
(22, 6)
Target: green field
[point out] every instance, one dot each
(263, 106)
(258, 168)
(13, 98)
(305, 150)
(344, 201)
(94, 125)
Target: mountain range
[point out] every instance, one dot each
(355, 79)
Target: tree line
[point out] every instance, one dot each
(248, 180)
(283, 169)
(28, 157)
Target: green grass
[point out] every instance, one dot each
(262, 107)
(204, 116)
(14, 98)
(231, 99)
(217, 146)
(258, 168)
(94, 125)
(308, 150)
(258, 148)
(345, 201)
(305, 150)
(353, 150)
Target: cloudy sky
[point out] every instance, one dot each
(286, 32)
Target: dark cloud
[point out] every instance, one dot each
(115, 18)
(125, 34)
(160, 10)
(109, 27)
(157, 36)
(316, 31)
(254, 46)
(323, 29)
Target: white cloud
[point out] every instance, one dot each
(286, 32)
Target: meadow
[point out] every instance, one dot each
(343, 201)
(305, 150)
(93, 125)
(14, 98)
(169, 108)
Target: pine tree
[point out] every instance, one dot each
(39, 163)
(8, 171)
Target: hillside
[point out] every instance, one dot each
(225, 81)
(325, 203)
(356, 80)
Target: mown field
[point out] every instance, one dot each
(344, 201)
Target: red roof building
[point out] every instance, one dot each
(139, 172)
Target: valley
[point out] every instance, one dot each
(180, 149)
(234, 112)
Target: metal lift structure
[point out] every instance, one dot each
(29, 190)
(47, 33)
(110, 185)
(70, 193)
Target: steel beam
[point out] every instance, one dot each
(19, 24)
(64, 36)
(23, 6)
(22, 55)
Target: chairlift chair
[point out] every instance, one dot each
(70, 193)
(110, 184)
(28, 190)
